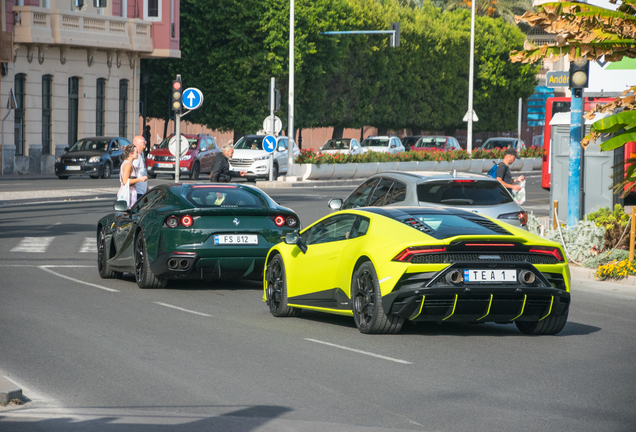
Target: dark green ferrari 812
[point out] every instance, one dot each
(192, 231)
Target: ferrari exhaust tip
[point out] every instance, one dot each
(184, 264)
(527, 277)
(454, 277)
(172, 263)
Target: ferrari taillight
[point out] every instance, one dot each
(187, 221)
(279, 221)
(174, 221)
(291, 221)
(555, 252)
(407, 254)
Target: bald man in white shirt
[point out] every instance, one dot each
(140, 165)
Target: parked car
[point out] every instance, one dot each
(203, 149)
(408, 141)
(383, 144)
(383, 266)
(250, 156)
(503, 143)
(95, 157)
(436, 143)
(348, 146)
(195, 231)
(477, 193)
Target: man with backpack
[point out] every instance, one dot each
(502, 172)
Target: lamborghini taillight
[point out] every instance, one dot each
(555, 252)
(407, 254)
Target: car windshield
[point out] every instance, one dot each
(463, 192)
(90, 145)
(409, 141)
(432, 142)
(375, 142)
(204, 196)
(337, 144)
(192, 142)
(253, 143)
(498, 144)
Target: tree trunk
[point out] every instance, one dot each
(382, 131)
(416, 131)
(362, 134)
(300, 139)
(165, 127)
(337, 132)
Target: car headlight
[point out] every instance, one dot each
(94, 159)
(151, 156)
(261, 157)
(186, 157)
(58, 159)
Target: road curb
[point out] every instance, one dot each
(582, 273)
(8, 391)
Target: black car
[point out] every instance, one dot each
(95, 157)
(409, 141)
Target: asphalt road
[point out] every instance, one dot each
(103, 355)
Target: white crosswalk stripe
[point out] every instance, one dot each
(33, 244)
(89, 245)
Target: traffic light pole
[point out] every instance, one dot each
(272, 102)
(574, 183)
(177, 153)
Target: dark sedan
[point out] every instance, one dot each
(192, 231)
(95, 157)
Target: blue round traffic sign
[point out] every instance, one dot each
(269, 143)
(192, 98)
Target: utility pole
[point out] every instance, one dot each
(469, 132)
(290, 114)
(579, 74)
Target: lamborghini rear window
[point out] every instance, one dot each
(223, 197)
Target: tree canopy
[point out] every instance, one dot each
(343, 80)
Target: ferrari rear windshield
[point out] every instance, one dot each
(441, 224)
(463, 192)
(223, 197)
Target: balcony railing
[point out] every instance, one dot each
(52, 26)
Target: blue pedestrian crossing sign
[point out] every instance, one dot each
(192, 98)
(269, 143)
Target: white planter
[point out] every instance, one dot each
(318, 172)
(538, 163)
(366, 169)
(444, 166)
(344, 171)
(528, 164)
(300, 170)
(476, 165)
(488, 164)
(461, 165)
(387, 166)
(426, 166)
(517, 165)
(407, 166)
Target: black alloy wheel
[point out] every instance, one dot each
(63, 177)
(196, 170)
(366, 299)
(275, 172)
(102, 259)
(107, 171)
(143, 275)
(276, 292)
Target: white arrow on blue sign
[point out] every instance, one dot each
(192, 98)
(269, 143)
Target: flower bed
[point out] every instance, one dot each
(310, 157)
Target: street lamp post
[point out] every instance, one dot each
(290, 113)
(469, 134)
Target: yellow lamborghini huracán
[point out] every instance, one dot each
(384, 265)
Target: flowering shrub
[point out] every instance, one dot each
(616, 270)
(488, 154)
(531, 152)
(615, 223)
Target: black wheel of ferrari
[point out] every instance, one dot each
(366, 298)
(549, 326)
(196, 170)
(277, 289)
(63, 177)
(143, 274)
(275, 172)
(102, 259)
(107, 171)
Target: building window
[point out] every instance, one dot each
(123, 103)
(47, 100)
(20, 91)
(100, 103)
(73, 109)
(152, 10)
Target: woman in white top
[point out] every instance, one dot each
(127, 172)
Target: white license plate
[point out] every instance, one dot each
(491, 275)
(235, 239)
(73, 168)
(161, 165)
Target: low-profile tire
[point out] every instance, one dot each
(108, 170)
(196, 170)
(366, 300)
(94, 177)
(277, 289)
(275, 172)
(102, 259)
(143, 275)
(63, 177)
(549, 326)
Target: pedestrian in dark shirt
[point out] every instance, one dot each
(221, 171)
(504, 175)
